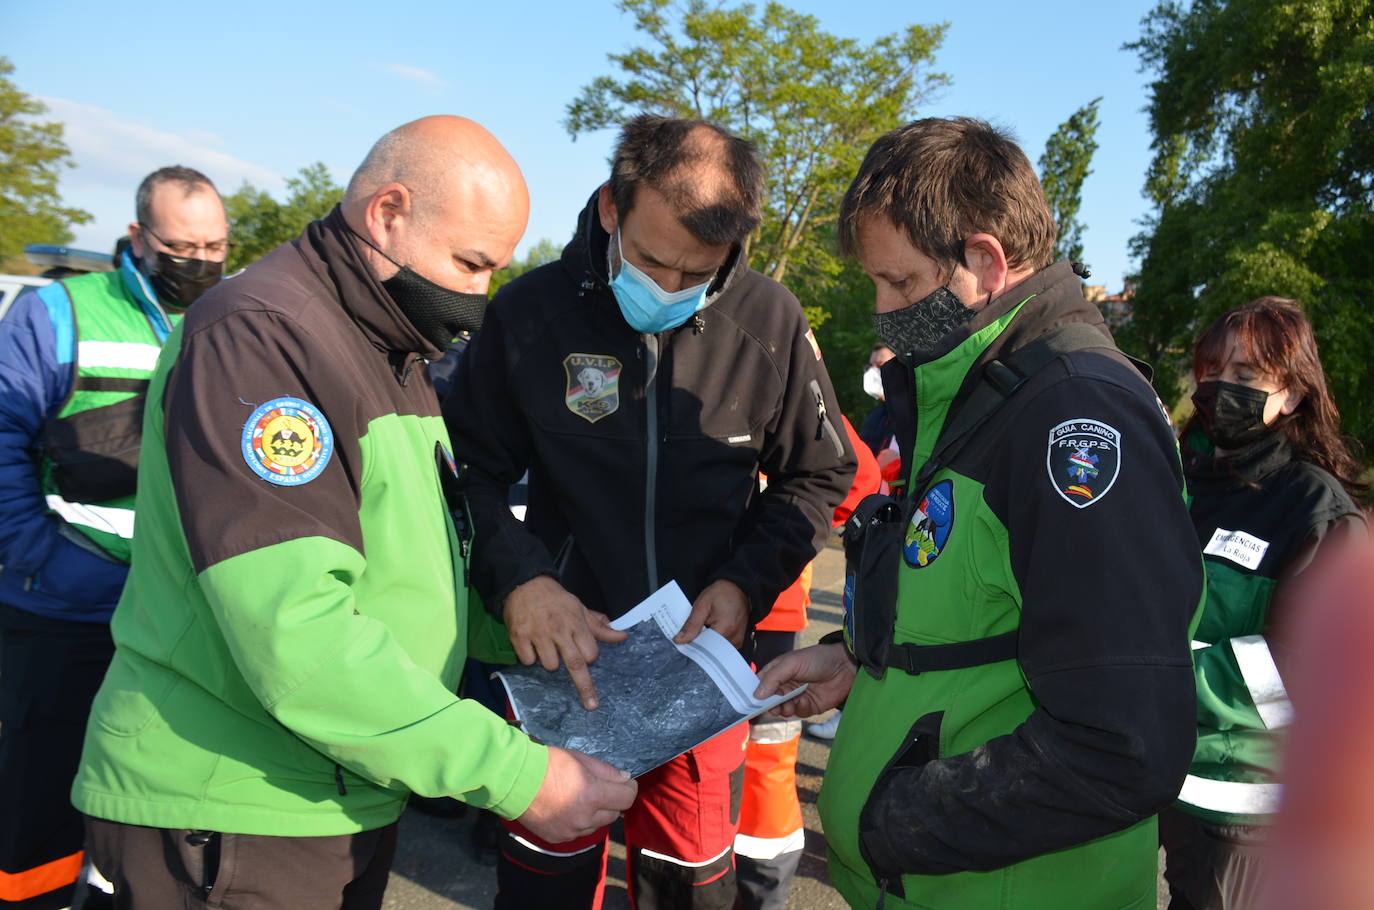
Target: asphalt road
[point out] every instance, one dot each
(437, 869)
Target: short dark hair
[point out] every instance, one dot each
(652, 152)
(942, 180)
(191, 180)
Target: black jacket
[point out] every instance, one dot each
(643, 450)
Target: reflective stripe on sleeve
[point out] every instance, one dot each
(682, 862)
(1231, 795)
(770, 847)
(126, 355)
(1262, 678)
(119, 522)
(528, 845)
(20, 886)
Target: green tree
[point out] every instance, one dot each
(1063, 168)
(32, 156)
(259, 223)
(542, 251)
(1262, 179)
(811, 101)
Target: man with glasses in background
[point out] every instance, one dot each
(75, 360)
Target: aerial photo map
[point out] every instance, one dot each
(657, 699)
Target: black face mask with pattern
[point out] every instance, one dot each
(914, 332)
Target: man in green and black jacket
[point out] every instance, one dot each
(1024, 707)
(293, 629)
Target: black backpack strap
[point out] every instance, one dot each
(999, 381)
(915, 659)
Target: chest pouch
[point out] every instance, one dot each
(872, 557)
(94, 453)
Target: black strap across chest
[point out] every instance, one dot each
(1000, 380)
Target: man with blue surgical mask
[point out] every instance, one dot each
(644, 380)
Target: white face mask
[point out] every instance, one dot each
(873, 383)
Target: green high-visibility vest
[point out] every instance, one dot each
(90, 447)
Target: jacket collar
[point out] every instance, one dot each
(1052, 296)
(331, 249)
(1209, 473)
(138, 286)
(1048, 299)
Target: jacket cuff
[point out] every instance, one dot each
(527, 779)
(874, 845)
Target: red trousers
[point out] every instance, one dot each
(678, 841)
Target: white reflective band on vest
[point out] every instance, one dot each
(1262, 679)
(1231, 795)
(119, 522)
(682, 862)
(770, 847)
(125, 355)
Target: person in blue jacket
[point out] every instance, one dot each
(75, 358)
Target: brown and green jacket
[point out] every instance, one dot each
(295, 623)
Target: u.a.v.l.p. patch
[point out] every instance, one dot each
(287, 441)
(1083, 460)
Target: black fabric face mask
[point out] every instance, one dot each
(1232, 415)
(178, 281)
(437, 313)
(915, 331)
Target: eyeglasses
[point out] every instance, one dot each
(186, 249)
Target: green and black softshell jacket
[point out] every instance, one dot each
(1031, 781)
(295, 623)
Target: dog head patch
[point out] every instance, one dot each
(593, 389)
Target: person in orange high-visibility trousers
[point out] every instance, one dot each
(771, 835)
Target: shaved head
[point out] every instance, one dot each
(440, 181)
(433, 157)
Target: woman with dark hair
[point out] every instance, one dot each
(1271, 482)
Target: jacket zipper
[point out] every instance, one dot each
(651, 361)
(824, 427)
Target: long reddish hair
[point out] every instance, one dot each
(1277, 338)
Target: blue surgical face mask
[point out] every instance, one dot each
(646, 306)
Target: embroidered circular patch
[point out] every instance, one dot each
(287, 441)
(930, 525)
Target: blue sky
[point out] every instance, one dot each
(255, 90)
